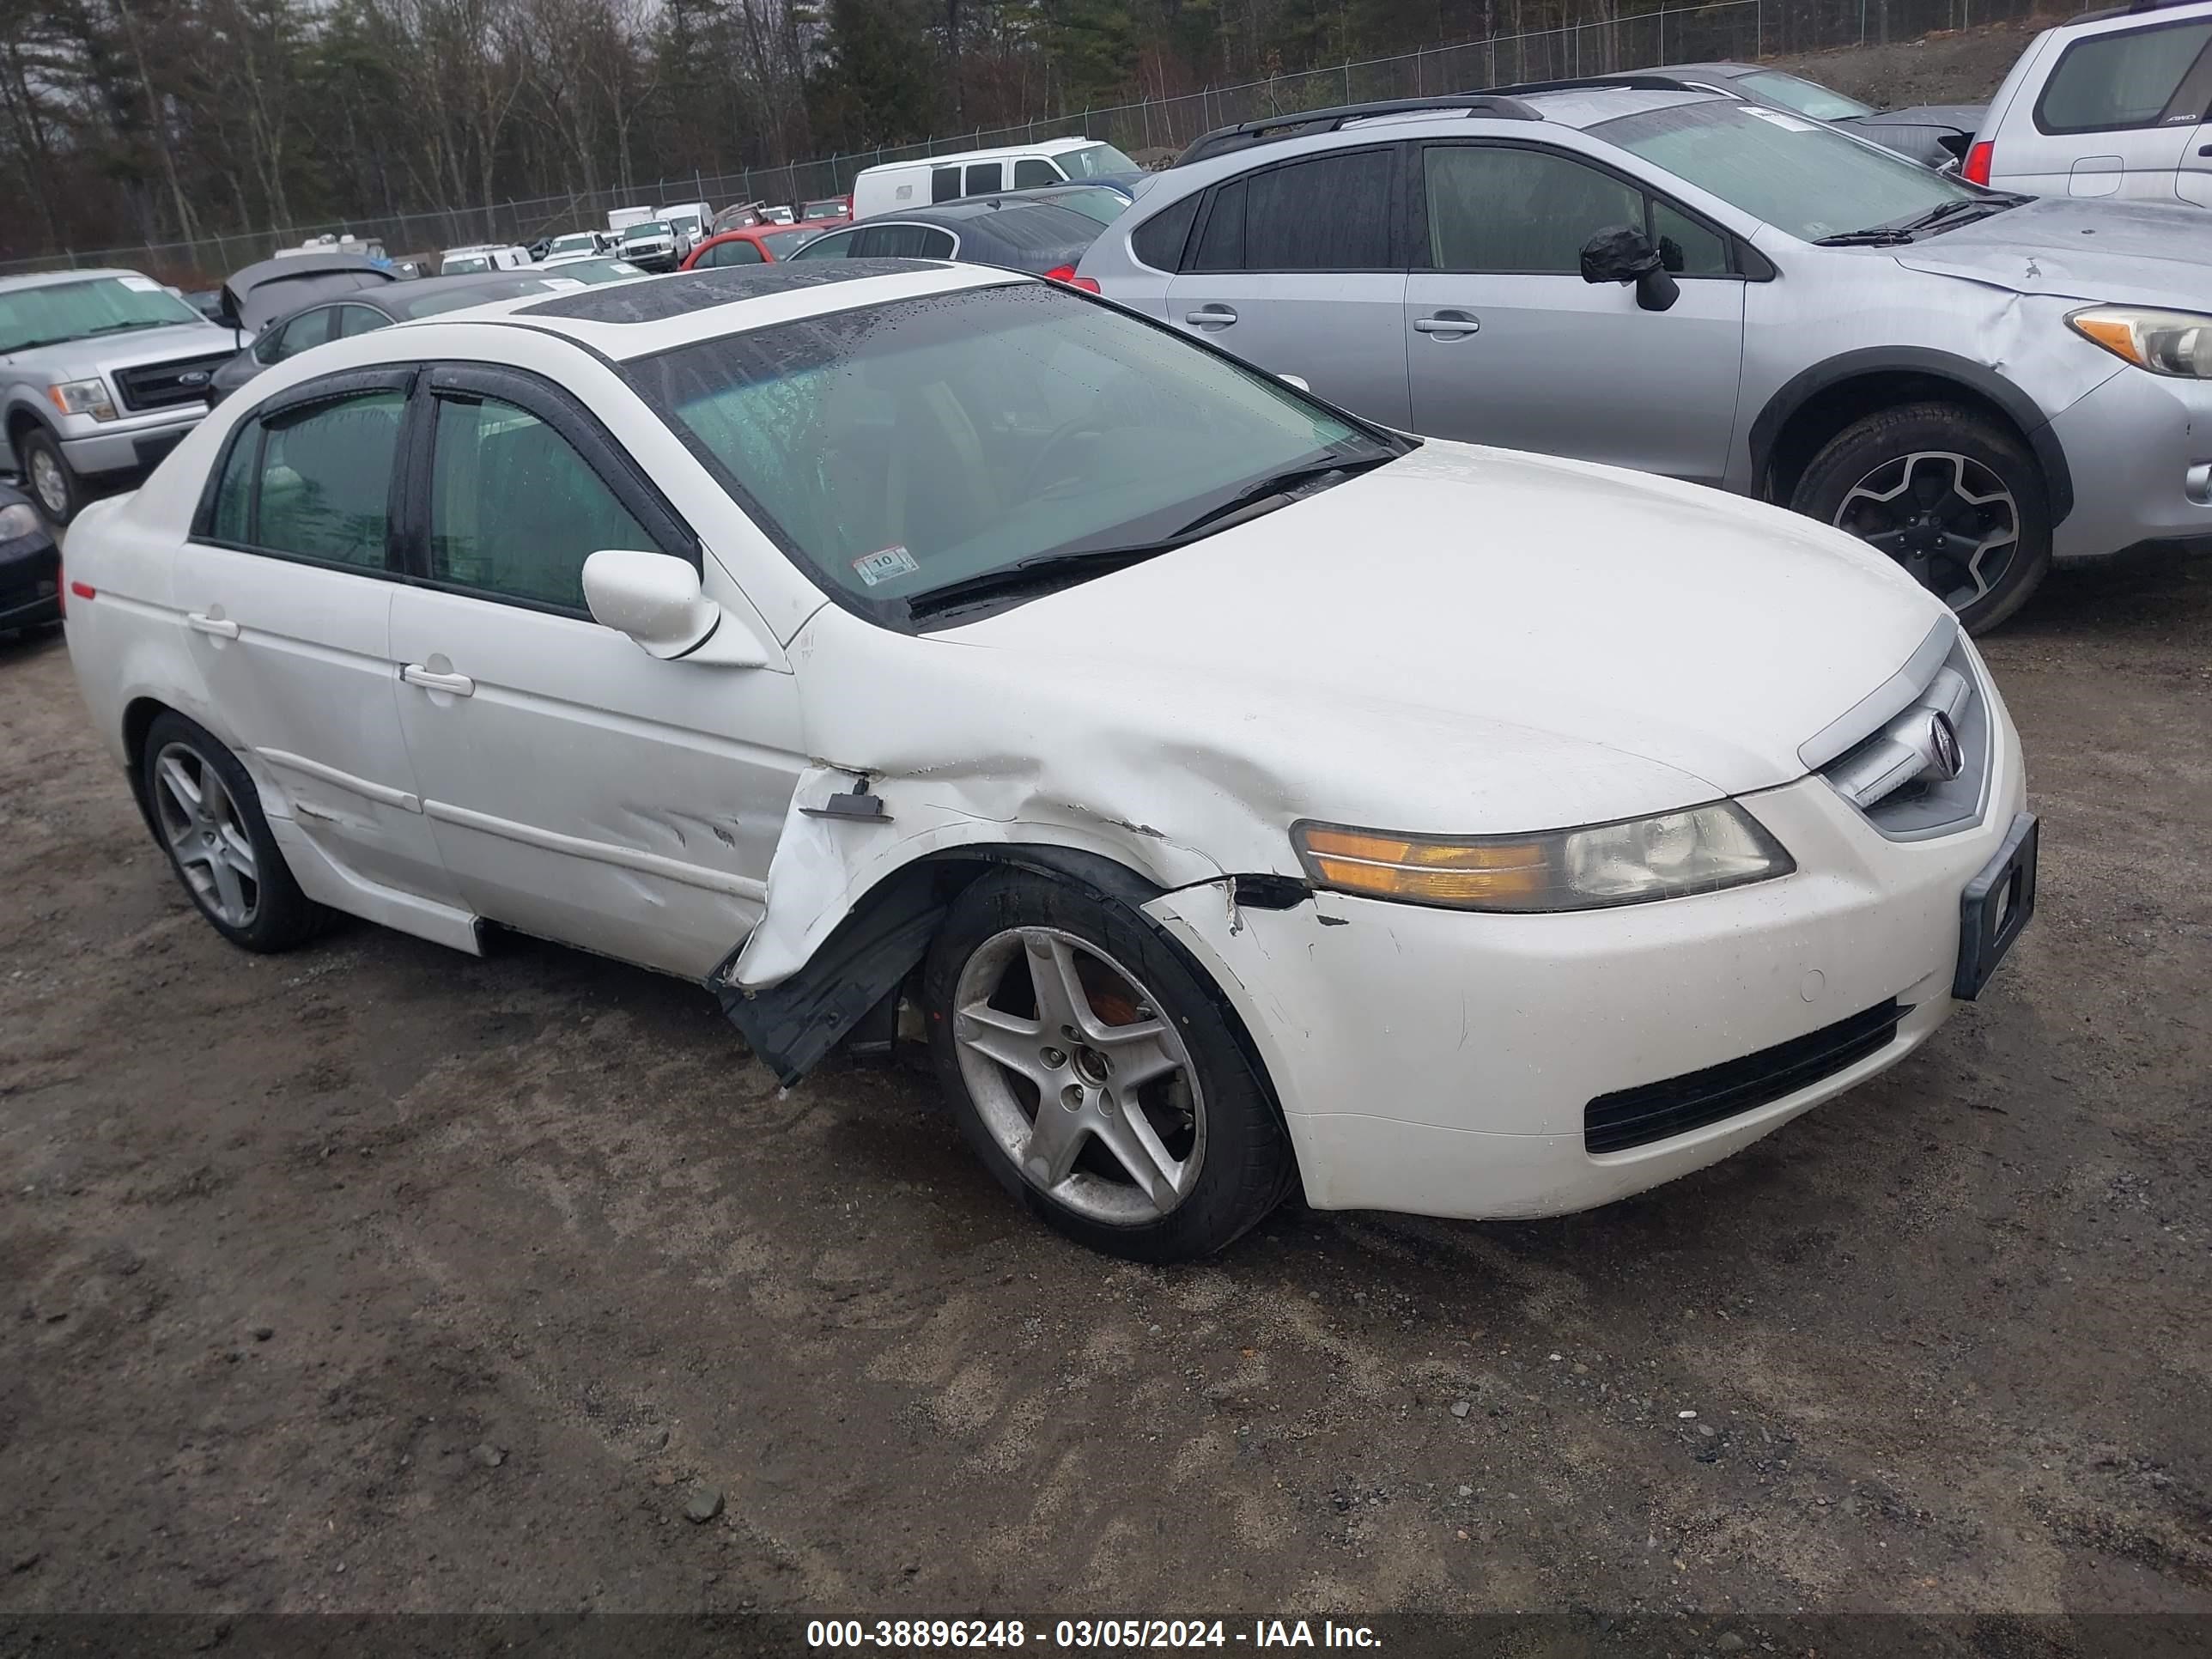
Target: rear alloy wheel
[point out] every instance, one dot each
(1958, 503)
(1094, 1072)
(209, 820)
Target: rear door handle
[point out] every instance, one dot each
(1210, 317)
(2205, 150)
(1447, 325)
(456, 685)
(222, 627)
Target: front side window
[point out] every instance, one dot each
(1029, 172)
(1797, 175)
(314, 482)
(54, 312)
(2142, 78)
(898, 447)
(514, 510)
(1529, 211)
(1805, 97)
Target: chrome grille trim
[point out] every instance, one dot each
(1893, 771)
(1891, 697)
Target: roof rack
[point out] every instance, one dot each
(1498, 103)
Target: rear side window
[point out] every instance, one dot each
(1331, 213)
(1221, 236)
(310, 328)
(2144, 78)
(900, 242)
(836, 246)
(1159, 240)
(315, 483)
(1030, 171)
(944, 185)
(1520, 210)
(514, 510)
(359, 319)
(984, 177)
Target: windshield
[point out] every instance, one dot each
(639, 233)
(585, 242)
(70, 311)
(1095, 162)
(465, 267)
(897, 448)
(1773, 87)
(1797, 175)
(826, 209)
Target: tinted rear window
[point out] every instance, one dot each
(2113, 81)
(1332, 213)
(1040, 227)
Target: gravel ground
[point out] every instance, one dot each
(376, 1277)
(1958, 67)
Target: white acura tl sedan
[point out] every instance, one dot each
(1235, 794)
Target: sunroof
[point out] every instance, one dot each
(695, 290)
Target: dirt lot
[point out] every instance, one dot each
(1950, 67)
(376, 1277)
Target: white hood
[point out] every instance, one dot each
(1525, 601)
(1464, 641)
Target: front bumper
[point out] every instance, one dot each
(135, 446)
(1441, 1062)
(2140, 450)
(30, 581)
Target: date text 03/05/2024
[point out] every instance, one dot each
(1086, 1633)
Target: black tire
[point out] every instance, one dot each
(58, 492)
(1246, 1167)
(282, 916)
(1873, 455)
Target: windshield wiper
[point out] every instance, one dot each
(1962, 211)
(1047, 571)
(15, 346)
(125, 328)
(1050, 570)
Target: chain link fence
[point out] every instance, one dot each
(1735, 29)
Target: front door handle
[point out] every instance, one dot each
(1447, 325)
(1210, 317)
(455, 685)
(222, 627)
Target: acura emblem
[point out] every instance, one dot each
(1945, 758)
(193, 377)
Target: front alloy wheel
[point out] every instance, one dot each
(1097, 1071)
(1086, 1089)
(1955, 499)
(1945, 518)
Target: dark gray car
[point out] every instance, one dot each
(1039, 237)
(1934, 134)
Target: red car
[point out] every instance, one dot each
(752, 245)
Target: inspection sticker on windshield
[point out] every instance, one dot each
(1787, 123)
(881, 567)
(140, 285)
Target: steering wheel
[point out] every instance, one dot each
(1040, 477)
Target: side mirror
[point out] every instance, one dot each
(656, 600)
(1298, 380)
(1625, 255)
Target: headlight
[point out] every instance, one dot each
(17, 519)
(2178, 343)
(82, 397)
(1698, 851)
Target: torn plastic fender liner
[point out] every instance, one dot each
(792, 1023)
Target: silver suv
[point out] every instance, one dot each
(101, 374)
(2110, 103)
(1668, 279)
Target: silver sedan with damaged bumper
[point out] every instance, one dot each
(1221, 779)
